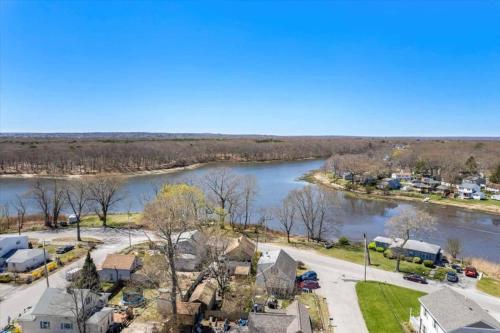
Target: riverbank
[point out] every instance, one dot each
(146, 172)
(320, 178)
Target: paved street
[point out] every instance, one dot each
(14, 300)
(338, 278)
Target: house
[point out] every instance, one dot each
(431, 182)
(467, 190)
(389, 183)
(118, 267)
(188, 313)
(276, 272)
(295, 319)
(56, 312)
(444, 190)
(478, 196)
(9, 245)
(25, 260)
(205, 293)
(446, 311)
(478, 180)
(423, 250)
(402, 176)
(190, 248)
(420, 187)
(386, 242)
(240, 249)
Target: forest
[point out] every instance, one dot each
(101, 154)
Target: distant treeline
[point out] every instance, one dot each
(122, 153)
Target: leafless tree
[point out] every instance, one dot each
(5, 217)
(104, 193)
(249, 192)
(41, 195)
(222, 186)
(20, 206)
(83, 304)
(286, 215)
(77, 196)
(216, 263)
(171, 214)
(454, 247)
(58, 201)
(409, 223)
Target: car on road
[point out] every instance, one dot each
(309, 275)
(452, 277)
(457, 268)
(415, 278)
(64, 249)
(470, 271)
(309, 284)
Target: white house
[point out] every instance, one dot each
(56, 311)
(190, 249)
(446, 311)
(467, 190)
(9, 244)
(276, 272)
(118, 267)
(25, 260)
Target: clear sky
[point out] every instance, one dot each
(423, 68)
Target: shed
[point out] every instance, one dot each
(25, 260)
(118, 267)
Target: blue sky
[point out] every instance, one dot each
(392, 68)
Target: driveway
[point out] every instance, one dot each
(338, 279)
(15, 300)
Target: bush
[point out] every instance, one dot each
(51, 266)
(417, 260)
(380, 249)
(5, 278)
(372, 246)
(428, 263)
(409, 259)
(389, 254)
(344, 241)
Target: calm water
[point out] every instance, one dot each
(480, 233)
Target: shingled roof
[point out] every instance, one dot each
(119, 261)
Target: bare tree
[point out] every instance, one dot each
(41, 195)
(171, 214)
(249, 192)
(222, 185)
(217, 265)
(5, 217)
(77, 196)
(83, 305)
(58, 201)
(286, 214)
(410, 222)
(20, 206)
(104, 194)
(454, 247)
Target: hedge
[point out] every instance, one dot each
(428, 263)
(372, 246)
(5, 278)
(388, 254)
(380, 249)
(417, 260)
(343, 241)
(409, 259)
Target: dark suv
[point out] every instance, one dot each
(64, 249)
(415, 278)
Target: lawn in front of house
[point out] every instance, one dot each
(386, 307)
(489, 285)
(113, 221)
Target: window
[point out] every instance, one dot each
(66, 326)
(44, 324)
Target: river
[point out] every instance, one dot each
(479, 232)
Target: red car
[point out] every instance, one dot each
(309, 284)
(470, 271)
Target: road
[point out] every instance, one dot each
(338, 279)
(14, 300)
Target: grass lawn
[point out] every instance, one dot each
(318, 310)
(489, 285)
(385, 307)
(113, 221)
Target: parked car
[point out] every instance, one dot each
(309, 284)
(64, 249)
(415, 278)
(457, 268)
(470, 271)
(452, 277)
(309, 275)
(329, 244)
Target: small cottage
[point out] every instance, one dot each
(118, 267)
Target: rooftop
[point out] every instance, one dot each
(119, 261)
(453, 311)
(422, 246)
(25, 254)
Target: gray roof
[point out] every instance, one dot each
(469, 186)
(421, 246)
(452, 310)
(58, 302)
(25, 254)
(295, 319)
(382, 239)
(302, 322)
(281, 260)
(7, 237)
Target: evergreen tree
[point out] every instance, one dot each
(88, 278)
(495, 176)
(471, 166)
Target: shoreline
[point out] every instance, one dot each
(317, 178)
(143, 172)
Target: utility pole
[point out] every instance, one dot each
(45, 264)
(365, 254)
(128, 223)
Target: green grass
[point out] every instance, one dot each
(489, 285)
(113, 221)
(385, 307)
